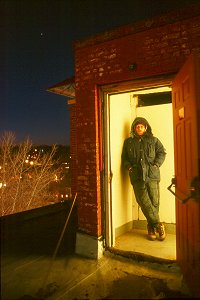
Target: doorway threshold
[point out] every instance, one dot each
(134, 244)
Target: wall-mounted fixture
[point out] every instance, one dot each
(132, 67)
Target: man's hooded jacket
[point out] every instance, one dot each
(143, 155)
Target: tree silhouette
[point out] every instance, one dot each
(25, 185)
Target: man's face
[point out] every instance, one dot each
(140, 129)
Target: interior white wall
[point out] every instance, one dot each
(121, 116)
(122, 113)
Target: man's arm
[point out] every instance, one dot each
(160, 153)
(124, 158)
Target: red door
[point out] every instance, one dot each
(186, 112)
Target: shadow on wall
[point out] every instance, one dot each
(124, 174)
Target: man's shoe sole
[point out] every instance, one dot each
(151, 238)
(161, 238)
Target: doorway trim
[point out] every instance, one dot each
(106, 91)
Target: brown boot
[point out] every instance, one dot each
(151, 233)
(160, 229)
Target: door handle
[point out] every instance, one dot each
(194, 190)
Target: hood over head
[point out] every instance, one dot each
(140, 120)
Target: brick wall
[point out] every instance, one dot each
(153, 47)
(73, 148)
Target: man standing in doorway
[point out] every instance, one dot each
(142, 156)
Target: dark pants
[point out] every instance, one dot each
(148, 197)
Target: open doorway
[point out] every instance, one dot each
(125, 223)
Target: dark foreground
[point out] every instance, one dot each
(73, 277)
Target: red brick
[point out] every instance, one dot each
(157, 46)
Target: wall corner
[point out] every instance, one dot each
(89, 246)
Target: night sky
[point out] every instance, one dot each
(37, 53)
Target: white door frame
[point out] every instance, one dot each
(107, 182)
(109, 231)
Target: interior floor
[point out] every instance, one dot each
(136, 240)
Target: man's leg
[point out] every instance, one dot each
(154, 194)
(149, 208)
(148, 198)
